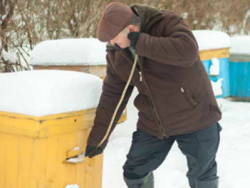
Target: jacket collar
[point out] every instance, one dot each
(148, 16)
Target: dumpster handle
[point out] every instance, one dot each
(74, 155)
(76, 159)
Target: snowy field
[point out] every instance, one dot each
(234, 152)
(233, 157)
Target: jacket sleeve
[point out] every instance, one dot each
(111, 92)
(177, 46)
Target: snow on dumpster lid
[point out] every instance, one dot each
(84, 51)
(45, 92)
(208, 39)
(240, 45)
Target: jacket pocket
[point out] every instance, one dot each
(186, 93)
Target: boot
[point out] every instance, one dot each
(145, 182)
(204, 184)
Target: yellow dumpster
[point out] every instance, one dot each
(40, 152)
(45, 151)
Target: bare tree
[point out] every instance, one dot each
(25, 23)
(8, 63)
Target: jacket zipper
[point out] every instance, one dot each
(152, 105)
(140, 75)
(152, 102)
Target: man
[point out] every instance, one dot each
(175, 100)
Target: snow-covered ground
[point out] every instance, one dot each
(234, 152)
(233, 156)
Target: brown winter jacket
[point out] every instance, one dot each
(175, 94)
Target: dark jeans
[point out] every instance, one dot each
(147, 153)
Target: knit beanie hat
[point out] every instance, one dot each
(114, 19)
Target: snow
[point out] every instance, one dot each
(185, 15)
(215, 67)
(78, 159)
(4, 16)
(9, 57)
(44, 92)
(208, 39)
(217, 87)
(72, 186)
(25, 56)
(69, 52)
(233, 155)
(80, 51)
(240, 45)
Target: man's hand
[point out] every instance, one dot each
(92, 151)
(133, 37)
